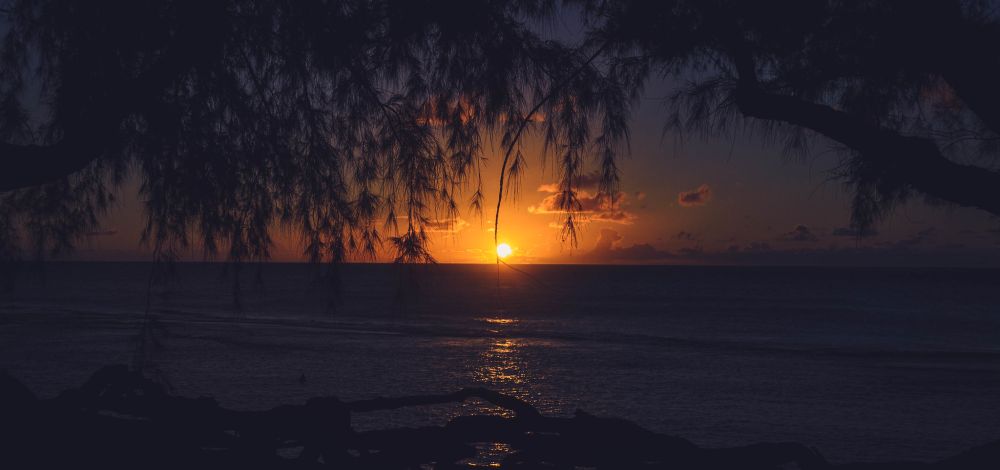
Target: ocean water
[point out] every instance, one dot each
(863, 364)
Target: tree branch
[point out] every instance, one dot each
(911, 161)
(904, 160)
(86, 137)
(520, 129)
(32, 165)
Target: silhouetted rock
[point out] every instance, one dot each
(120, 419)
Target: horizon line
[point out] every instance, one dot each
(617, 265)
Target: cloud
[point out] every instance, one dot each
(853, 232)
(913, 241)
(585, 182)
(615, 217)
(641, 197)
(606, 240)
(696, 251)
(800, 233)
(454, 225)
(607, 249)
(752, 247)
(610, 248)
(593, 207)
(683, 235)
(695, 197)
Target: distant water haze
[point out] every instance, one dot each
(864, 364)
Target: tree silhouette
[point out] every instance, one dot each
(348, 123)
(353, 123)
(906, 90)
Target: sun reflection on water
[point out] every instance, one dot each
(501, 366)
(489, 455)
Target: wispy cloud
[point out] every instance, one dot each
(800, 233)
(585, 182)
(593, 207)
(695, 197)
(685, 235)
(917, 239)
(607, 249)
(454, 225)
(610, 247)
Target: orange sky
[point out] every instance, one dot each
(702, 202)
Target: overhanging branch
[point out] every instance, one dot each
(32, 165)
(912, 161)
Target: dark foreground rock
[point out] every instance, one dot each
(118, 419)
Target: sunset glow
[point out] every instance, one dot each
(504, 250)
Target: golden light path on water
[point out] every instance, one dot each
(501, 366)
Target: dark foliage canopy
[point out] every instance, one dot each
(358, 122)
(341, 121)
(905, 90)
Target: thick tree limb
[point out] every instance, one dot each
(89, 135)
(32, 165)
(86, 138)
(910, 161)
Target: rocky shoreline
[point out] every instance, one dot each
(119, 419)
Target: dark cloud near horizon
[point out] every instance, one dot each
(800, 233)
(695, 251)
(853, 232)
(695, 197)
(917, 239)
(685, 235)
(752, 247)
(896, 253)
(607, 249)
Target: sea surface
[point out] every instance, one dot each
(863, 364)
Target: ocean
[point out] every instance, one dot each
(863, 364)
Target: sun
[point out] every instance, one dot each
(504, 250)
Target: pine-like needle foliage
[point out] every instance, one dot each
(348, 123)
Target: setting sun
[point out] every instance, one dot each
(504, 250)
